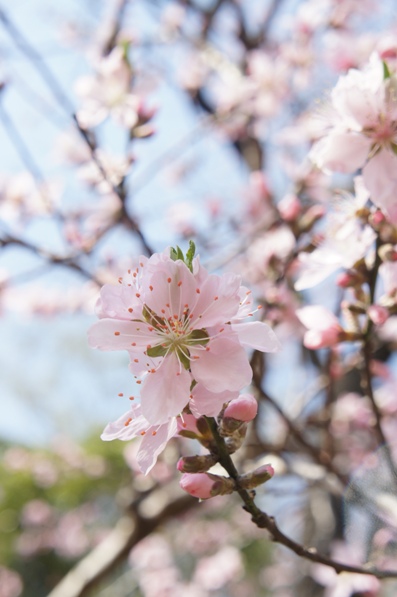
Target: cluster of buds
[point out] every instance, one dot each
(232, 427)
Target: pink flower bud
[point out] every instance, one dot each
(257, 477)
(198, 485)
(206, 485)
(244, 408)
(378, 314)
(346, 279)
(315, 339)
(289, 207)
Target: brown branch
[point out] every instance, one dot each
(37, 60)
(264, 521)
(144, 516)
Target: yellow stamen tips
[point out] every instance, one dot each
(180, 283)
(154, 432)
(207, 348)
(152, 370)
(120, 280)
(132, 398)
(136, 360)
(120, 394)
(216, 298)
(143, 432)
(141, 264)
(139, 381)
(128, 271)
(148, 346)
(198, 290)
(163, 310)
(117, 333)
(195, 357)
(150, 329)
(130, 310)
(133, 343)
(137, 295)
(259, 307)
(169, 280)
(151, 288)
(128, 421)
(221, 330)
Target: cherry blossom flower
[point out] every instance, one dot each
(181, 328)
(364, 132)
(107, 93)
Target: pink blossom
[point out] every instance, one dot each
(181, 326)
(363, 132)
(107, 93)
(323, 327)
(154, 438)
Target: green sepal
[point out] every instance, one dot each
(198, 337)
(157, 351)
(190, 255)
(386, 71)
(176, 254)
(150, 317)
(394, 148)
(184, 359)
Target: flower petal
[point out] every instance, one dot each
(209, 403)
(153, 443)
(257, 335)
(223, 367)
(114, 334)
(165, 392)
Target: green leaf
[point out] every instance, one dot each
(190, 255)
(386, 71)
(157, 351)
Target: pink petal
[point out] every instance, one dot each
(257, 335)
(218, 301)
(113, 334)
(380, 177)
(115, 302)
(128, 426)
(316, 317)
(223, 367)
(208, 403)
(341, 152)
(166, 392)
(152, 445)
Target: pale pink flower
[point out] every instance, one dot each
(154, 438)
(107, 93)
(323, 327)
(364, 132)
(181, 327)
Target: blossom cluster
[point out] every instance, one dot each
(185, 331)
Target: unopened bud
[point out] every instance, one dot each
(387, 252)
(206, 485)
(377, 314)
(244, 408)
(257, 477)
(315, 339)
(350, 279)
(196, 464)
